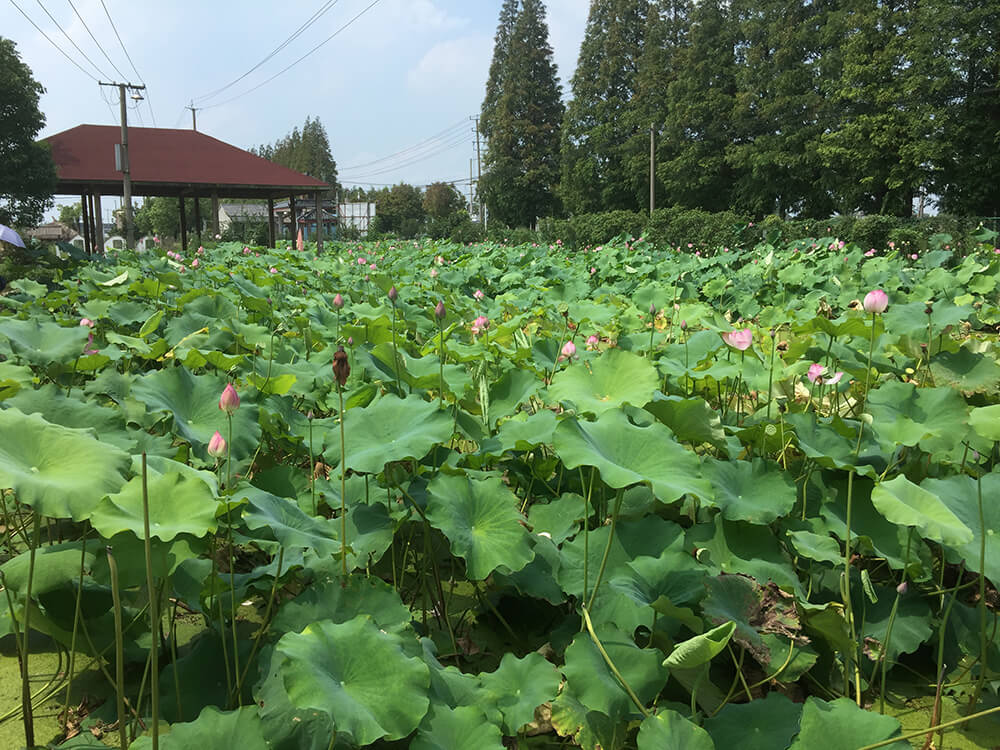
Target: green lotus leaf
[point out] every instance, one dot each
(906, 504)
(514, 388)
(213, 728)
(822, 547)
(359, 675)
(51, 403)
(911, 626)
(971, 372)
(617, 377)
(985, 420)
(832, 443)
(518, 687)
(462, 728)
(591, 730)
(595, 685)
(692, 420)
(627, 454)
(41, 342)
(56, 566)
(391, 429)
(287, 523)
(340, 602)
(193, 401)
(58, 471)
(842, 725)
(961, 495)
(668, 730)
(178, 504)
(903, 414)
(481, 521)
(701, 649)
(755, 491)
(753, 608)
(524, 431)
(758, 725)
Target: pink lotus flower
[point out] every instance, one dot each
(87, 322)
(229, 401)
(568, 350)
(246, 251)
(816, 371)
(217, 445)
(739, 339)
(338, 301)
(875, 301)
(478, 294)
(434, 273)
(201, 251)
(834, 379)
(362, 262)
(273, 269)
(194, 263)
(480, 324)
(592, 341)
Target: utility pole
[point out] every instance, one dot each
(472, 178)
(652, 169)
(479, 176)
(123, 160)
(194, 117)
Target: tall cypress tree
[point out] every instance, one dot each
(599, 122)
(501, 45)
(522, 151)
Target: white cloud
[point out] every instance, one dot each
(453, 67)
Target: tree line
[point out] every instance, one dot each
(787, 107)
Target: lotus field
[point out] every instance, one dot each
(448, 497)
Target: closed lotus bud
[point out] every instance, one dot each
(341, 369)
(310, 416)
(217, 445)
(439, 311)
(902, 588)
(350, 341)
(229, 401)
(338, 301)
(393, 294)
(652, 309)
(875, 301)
(684, 325)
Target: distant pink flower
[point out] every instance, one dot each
(246, 251)
(434, 273)
(870, 253)
(217, 445)
(875, 301)
(592, 341)
(229, 401)
(480, 324)
(371, 267)
(816, 371)
(568, 350)
(194, 263)
(273, 269)
(362, 262)
(338, 301)
(592, 270)
(201, 251)
(478, 294)
(87, 322)
(439, 260)
(913, 256)
(834, 379)
(739, 339)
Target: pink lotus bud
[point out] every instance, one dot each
(350, 341)
(569, 350)
(393, 294)
(875, 301)
(684, 325)
(194, 263)
(815, 372)
(217, 445)
(201, 251)
(592, 340)
(229, 401)
(902, 588)
(439, 311)
(652, 309)
(739, 339)
(338, 301)
(87, 322)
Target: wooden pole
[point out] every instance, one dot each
(100, 221)
(270, 222)
(93, 224)
(319, 222)
(294, 217)
(197, 218)
(85, 218)
(184, 230)
(215, 213)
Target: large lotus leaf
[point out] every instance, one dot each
(359, 675)
(627, 454)
(701, 649)
(557, 519)
(832, 443)
(936, 418)
(596, 686)
(754, 609)
(52, 404)
(985, 420)
(768, 724)
(178, 504)
(43, 342)
(911, 626)
(522, 432)
(590, 730)
(618, 377)
(756, 491)
(287, 523)
(193, 401)
(842, 725)
(213, 728)
(513, 389)
(462, 728)
(668, 730)
(58, 471)
(481, 521)
(961, 496)
(906, 504)
(340, 601)
(391, 429)
(56, 566)
(692, 420)
(518, 687)
(971, 372)
(287, 727)
(673, 574)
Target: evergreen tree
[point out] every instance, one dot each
(501, 45)
(306, 151)
(522, 153)
(691, 159)
(28, 175)
(599, 122)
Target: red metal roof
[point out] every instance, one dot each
(165, 161)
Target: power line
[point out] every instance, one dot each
(129, 58)
(49, 40)
(68, 39)
(446, 131)
(462, 140)
(307, 54)
(106, 57)
(298, 32)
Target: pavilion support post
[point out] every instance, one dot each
(85, 219)
(99, 221)
(294, 214)
(319, 222)
(215, 214)
(93, 225)
(197, 219)
(184, 229)
(270, 222)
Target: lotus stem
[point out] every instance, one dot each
(611, 665)
(343, 468)
(119, 649)
(395, 351)
(440, 363)
(983, 641)
(76, 618)
(885, 652)
(154, 606)
(312, 467)
(607, 548)
(265, 623)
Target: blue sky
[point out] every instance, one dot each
(405, 71)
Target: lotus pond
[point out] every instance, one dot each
(479, 497)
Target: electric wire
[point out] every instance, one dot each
(129, 58)
(49, 40)
(447, 131)
(106, 56)
(462, 140)
(307, 54)
(70, 40)
(298, 32)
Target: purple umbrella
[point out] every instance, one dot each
(9, 235)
